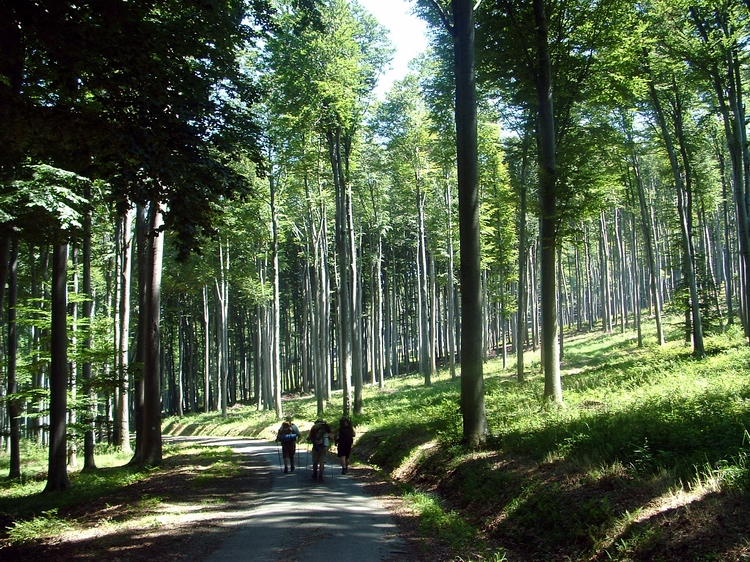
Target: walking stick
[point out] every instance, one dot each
(278, 450)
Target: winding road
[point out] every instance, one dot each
(300, 519)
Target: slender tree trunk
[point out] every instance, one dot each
(647, 229)
(57, 473)
(141, 231)
(343, 248)
(224, 343)
(379, 339)
(548, 200)
(123, 404)
(152, 445)
(684, 214)
(89, 462)
(522, 328)
(14, 410)
(276, 330)
(622, 277)
(206, 354)
(604, 267)
(73, 367)
(728, 87)
(475, 427)
(451, 303)
(423, 299)
(183, 351)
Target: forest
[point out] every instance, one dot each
(202, 203)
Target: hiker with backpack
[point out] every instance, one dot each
(320, 437)
(344, 439)
(287, 435)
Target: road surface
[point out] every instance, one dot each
(300, 519)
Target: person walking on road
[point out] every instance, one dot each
(344, 439)
(320, 437)
(287, 435)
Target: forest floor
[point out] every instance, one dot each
(176, 515)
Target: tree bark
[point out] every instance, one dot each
(472, 377)
(89, 462)
(548, 203)
(451, 292)
(684, 214)
(152, 444)
(123, 403)
(14, 410)
(57, 474)
(276, 333)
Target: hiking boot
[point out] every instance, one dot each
(292, 468)
(286, 470)
(315, 476)
(343, 471)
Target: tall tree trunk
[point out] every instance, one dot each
(89, 462)
(422, 293)
(14, 410)
(684, 211)
(379, 339)
(548, 202)
(152, 445)
(604, 268)
(141, 231)
(206, 354)
(57, 473)
(622, 277)
(522, 328)
(183, 351)
(727, 84)
(123, 404)
(472, 377)
(222, 327)
(343, 248)
(73, 366)
(276, 331)
(356, 300)
(451, 292)
(648, 238)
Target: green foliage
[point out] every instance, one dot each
(44, 204)
(39, 516)
(642, 426)
(40, 527)
(436, 520)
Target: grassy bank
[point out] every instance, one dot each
(121, 513)
(647, 461)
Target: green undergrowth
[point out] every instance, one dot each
(113, 494)
(650, 444)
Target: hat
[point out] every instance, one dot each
(288, 418)
(320, 420)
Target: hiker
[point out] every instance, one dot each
(344, 439)
(320, 437)
(287, 435)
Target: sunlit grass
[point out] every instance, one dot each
(643, 429)
(36, 516)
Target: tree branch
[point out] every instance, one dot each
(443, 17)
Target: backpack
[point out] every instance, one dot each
(287, 432)
(318, 434)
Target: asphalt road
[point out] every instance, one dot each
(300, 519)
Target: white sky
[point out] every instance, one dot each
(407, 35)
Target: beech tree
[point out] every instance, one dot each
(343, 59)
(458, 19)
